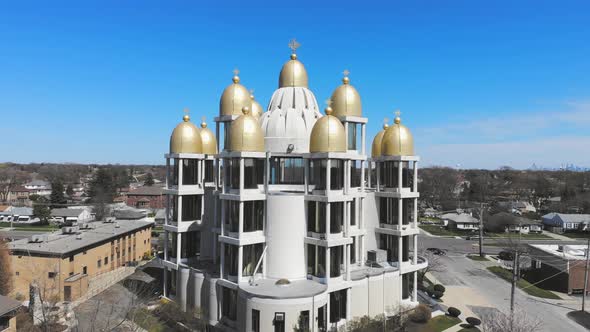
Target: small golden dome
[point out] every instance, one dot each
(245, 133)
(234, 98)
(293, 74)
(346, 101)
(327, 134)
(397, 140)
(186, 138)
(208, 139)
(376, 147)
(256, 107)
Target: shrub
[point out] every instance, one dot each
(439, 288)
(473, 321)
(454, 312)
(506, 255)
(421, 314)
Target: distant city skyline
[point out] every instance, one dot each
(481, 85)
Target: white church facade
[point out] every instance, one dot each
(280, 219)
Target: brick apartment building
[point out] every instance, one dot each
(146, 197)
(62, 263)
(548, 260)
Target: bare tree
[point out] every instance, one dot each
(518, 321)
(5, 269)
(10, 178)
(435, 264)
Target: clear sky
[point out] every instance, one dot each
(479, 83)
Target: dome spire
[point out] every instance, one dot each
(293, 73)
(345, 79)
(294, 45)
(385, 123)
(397, 119)
(236, 78)
(328, 109)
(186, 117)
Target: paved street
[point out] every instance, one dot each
(480, 290)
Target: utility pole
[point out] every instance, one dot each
(515, 264)
(481, 230)
(586, 276)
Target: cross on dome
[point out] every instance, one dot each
(186, 116)
(397, 119)
(236, 71)
(294, 45)
(346, 72)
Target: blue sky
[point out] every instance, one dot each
(479, 83)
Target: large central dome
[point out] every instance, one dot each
(292, 111)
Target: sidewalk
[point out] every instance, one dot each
(558, 236)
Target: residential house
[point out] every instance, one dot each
(460, 221)
(19, 196)
(563, 222)
(39, 187)
(521, 207)
(146, 197)
(8, 310)
(18, 214)
(557, 267)
(68, 216)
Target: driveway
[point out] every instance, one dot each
(473, 287)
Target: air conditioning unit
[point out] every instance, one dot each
(39, 238)
(376, 256)
(70, 230)
(79, 237)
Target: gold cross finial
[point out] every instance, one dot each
(203, 118)
(186, 110)
(328, 102)
(236, 71)
(251, 92)
(294, 45)
(346, 72)
(385, 123)
(397, 119)
(397, 113)
(186, 117)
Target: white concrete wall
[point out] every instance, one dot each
(371, 220)
(291, 307)
(285, 231)
(359, 304)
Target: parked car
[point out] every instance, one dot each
(437, 251)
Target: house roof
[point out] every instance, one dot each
(66, 212)
(18, 211)
(460, 218)
(37, 183)
(128, 214)
(8, 305)
(575, 218)
(4, 207)
(146, 191)
(59, 244)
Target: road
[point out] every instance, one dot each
(488, 291)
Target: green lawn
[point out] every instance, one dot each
(477, 258)
(441, 231)
(517, 236)
(523, 284)
(576, 235)
(436, 324)
(22, 227)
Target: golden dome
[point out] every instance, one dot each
(186, 138)
(327, 134)
(397, 140)
(208, 139)
(245, 133)
(346, 101)
(293, 74)
(376, 148)
(256, 107)
(234, 98)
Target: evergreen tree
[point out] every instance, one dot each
(70, 190)
(149, 180)
(41, 210)
(57, 197)
(102, 187)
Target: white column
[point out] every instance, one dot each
(415, 238)
(241, 220)
(346, 134)
(328, 171)
(415, 189)
(347, 262)
(363, 138)
(415, 290)
(240, 262)
(415, 216)
(165, 279)
(306, 175)
(224, 209)
(180, 173)
(327, 221)
(399, 249)
(178, 247)
(327, 265)
(178, 210)
(165, 245)
(400, 209)
(363, 172)
(378, 179)
(348, 304)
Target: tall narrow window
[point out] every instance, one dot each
(255, 320)
(351, 136)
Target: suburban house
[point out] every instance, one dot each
(524, 226)
(19, 196)
(8, 310)
(557, 267)
(146, 197)
(39, 187)
(18, 214)
(69, 216)
(521, 207)
(64, 263)
(460, 221)
(562, 222)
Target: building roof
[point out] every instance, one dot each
(18, 211)
(146, 191)
(8, 305)
(460, 218)
(567, 252)
(66, 212)
(575, 218)
(38, 183)
(128, 214)
(59, 244)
